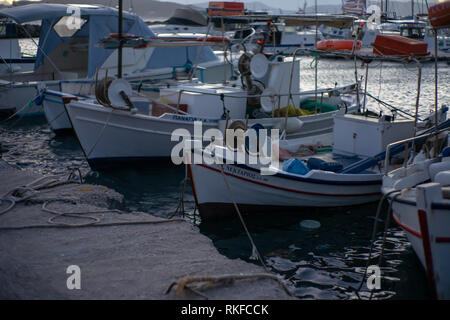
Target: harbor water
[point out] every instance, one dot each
(323, 263)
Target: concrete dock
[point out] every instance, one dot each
(119, 255)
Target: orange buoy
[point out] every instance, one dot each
(333, 44)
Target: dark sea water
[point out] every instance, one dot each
(327, 263)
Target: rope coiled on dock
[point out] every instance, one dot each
(26, 193)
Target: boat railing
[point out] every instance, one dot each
(241, 42)
(407, 142)
(342, 90)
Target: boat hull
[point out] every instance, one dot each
(23, 98)
(55, 113)
(253, 191)
(8, 66)
(407, 216)
(19, 97)
(111, 137)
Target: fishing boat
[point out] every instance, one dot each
(350, 174)
(419, 191)
(420, 196)
(53, 101)
(282, 39)
(67, 52)
(283, 34)
(12, 60)
(184, 21)
(108, 135)
(388, 45)
(439, 15)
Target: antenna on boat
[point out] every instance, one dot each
(119, 64)
(435, 87)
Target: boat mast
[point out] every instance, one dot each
(119, 62)
(316, 58)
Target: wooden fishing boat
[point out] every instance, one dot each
(439, 14)
(420, 195)
(351, 174)
(395, 45)
(108, 135)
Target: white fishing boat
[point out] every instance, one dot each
(350, 175)
(420, 195)
(68, 50)
(185, 21)
(108, 135)
(281, 39)
(282, 33)
(419, 191)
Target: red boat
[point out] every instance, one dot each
(225, 8)
(439, 15)
(394, 45)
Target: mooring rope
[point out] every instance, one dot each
(100, 134)
(254, 248)
(19, 194)
(26, 105)
(209, 281)
(180, 207)
(374, 231)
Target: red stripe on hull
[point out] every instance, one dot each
(442, 239)
(427, 248)
(406, 228)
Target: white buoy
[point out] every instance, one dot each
(310, 224)
(269, 99)
(259, 66)
(114, 90)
